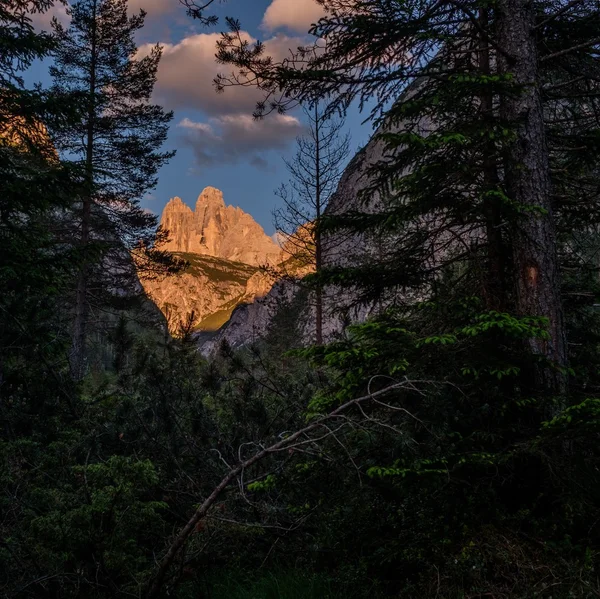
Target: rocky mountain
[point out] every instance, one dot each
(207, 291)
(225, 249)
(214, 229)
(249, 322)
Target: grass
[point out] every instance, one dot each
(216, 320)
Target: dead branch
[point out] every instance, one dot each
(292, 439)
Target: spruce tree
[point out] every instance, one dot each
(117, 143)
(35, 270)
(471, 148)
(34, 187)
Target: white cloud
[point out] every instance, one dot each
(188, 68)
(203, 127)
(234, 138)
(279, 238)
(297, 15)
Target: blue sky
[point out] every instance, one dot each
(218, 143)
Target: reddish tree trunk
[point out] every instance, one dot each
(527, 176)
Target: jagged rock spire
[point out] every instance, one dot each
(215, 229)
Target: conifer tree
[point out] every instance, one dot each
(117, 142)
(315, 171)
(35, 267)
(34, 187)
(471, 149)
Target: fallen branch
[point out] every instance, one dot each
(156, 584)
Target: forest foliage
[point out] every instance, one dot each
(447, 447)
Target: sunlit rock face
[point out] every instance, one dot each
(225, 249)
(205, 294)
(251, 322)
(214, 229)
(27, 136)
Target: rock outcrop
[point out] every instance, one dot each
(205, 293)
(251, 321)
(214, 229)
(225, 248)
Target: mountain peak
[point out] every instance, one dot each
(215, 229)
(177, 204)
(211, 196)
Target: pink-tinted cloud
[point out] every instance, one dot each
(186, 73)
(234, 138)
(188, 68)
(296, 15)
(155, 7)
(227, 133)
(43, 21)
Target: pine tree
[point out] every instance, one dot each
(34, 187)
(315, 171)
(471, 151)
(117, 142)
(35, 267)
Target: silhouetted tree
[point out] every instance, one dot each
(117, 142)
(315, 171)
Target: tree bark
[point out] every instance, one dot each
(527, 180)
(78, 347)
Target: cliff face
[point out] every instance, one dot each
(214, 229)
(225, 248)
(251, 321)
(206, 292)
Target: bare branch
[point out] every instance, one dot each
(294, 439)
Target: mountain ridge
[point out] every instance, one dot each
(216, 229)
(224, 248)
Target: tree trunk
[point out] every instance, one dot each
(527, 180)
(495, 275)
(319, 314)
(318, 240)
(80, 325)
(78, 348)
